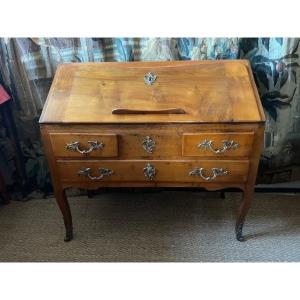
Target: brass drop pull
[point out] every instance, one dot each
(148, 144)
(227, 145)
(103, 172)
(93, 145)
(208, 175)
(149, 172)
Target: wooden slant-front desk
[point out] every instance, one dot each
(153, 124)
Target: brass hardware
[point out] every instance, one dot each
(75, 146)
(227, 145)
(149, 172)
(215, 173)
(149, 78)
(103, 172)
(148, 144)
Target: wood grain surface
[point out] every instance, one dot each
(212, 91)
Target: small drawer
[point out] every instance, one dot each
(84, 145)
(217, 144)
(154, 171)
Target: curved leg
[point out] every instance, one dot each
(243, 210)
(63, 204)
(249, 186)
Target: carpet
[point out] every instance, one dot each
(167, 226)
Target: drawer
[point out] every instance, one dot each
(154, 170)
(134, 146)
(217, 144)
(84, 145)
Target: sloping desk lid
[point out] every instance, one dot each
(153, 92)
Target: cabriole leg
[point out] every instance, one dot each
(63, 204)
(243, 210)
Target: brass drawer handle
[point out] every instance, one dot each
(149, 172)
(148, 144)
(103, 172)
(214, 171)
(227, 145)
(93, 145)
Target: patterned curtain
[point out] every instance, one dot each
(27, 66)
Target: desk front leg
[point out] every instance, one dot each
(64, 207)
(242, 213)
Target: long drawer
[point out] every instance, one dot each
(231, 144)
(154, 170)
